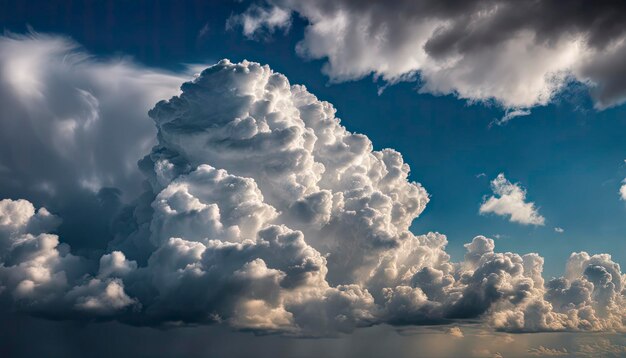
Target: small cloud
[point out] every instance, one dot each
(510, 200)
(509, 115)
(544, 351)
(559, 230)
(486, 353)
(256, 19)
(456, 332)
(622, 190)
(601, 348)
(481, 175)
(203, 31)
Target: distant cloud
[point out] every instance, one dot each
(485, 353)
(559, 230)
(600, 347)
(510, 114)
(204, 31)
(455, 332)
(542, 351)
(510, 200)
(512, 53)
(259, 18)
(622, 190)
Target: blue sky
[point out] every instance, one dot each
(569, 156)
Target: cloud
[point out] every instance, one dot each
(510, 114)
(82, 122)
(514, 54)
(599, 347)
(510, 200)
(72, 128)
(559, 230)
(261, 212)
(542, 351)
(257, 19)
(455, 332)
(622, 191)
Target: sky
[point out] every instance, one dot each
(246, 208)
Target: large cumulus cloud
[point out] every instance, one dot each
(263, 213)
(520, 54)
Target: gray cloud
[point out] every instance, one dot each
(82, 122)
(72, 128)
(519, 54)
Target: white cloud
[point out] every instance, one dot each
(559, 230)
(512, 53)
(510, 200)
(258, 18)
(622, 191)
(510, 114)
(455, 332)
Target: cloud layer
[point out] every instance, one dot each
(262, 212)
(518, 54)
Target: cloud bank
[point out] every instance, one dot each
(263, 213)
(518, 54)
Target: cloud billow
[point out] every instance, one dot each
(518, 54)
(263, 213)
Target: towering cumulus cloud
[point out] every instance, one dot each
(263, 213)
